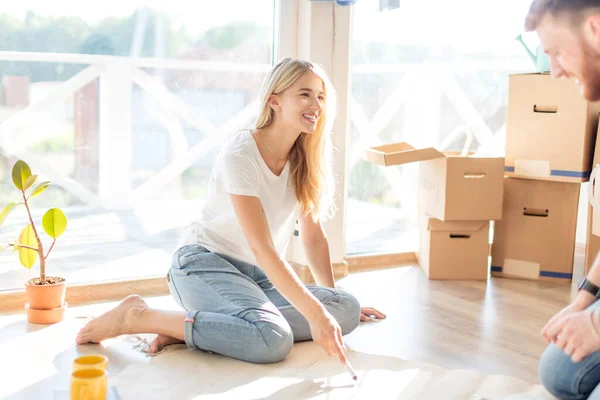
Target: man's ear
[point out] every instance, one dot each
(273, 102)
(592, 28)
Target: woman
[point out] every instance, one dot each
(242, 298)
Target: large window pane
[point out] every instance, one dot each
(192, 79)
(420, 73)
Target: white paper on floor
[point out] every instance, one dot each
(308, 373)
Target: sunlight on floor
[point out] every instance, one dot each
(31, 355)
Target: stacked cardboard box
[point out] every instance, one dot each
(458, 196)
(549, 148)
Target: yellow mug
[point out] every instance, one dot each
(88, 384)
(92, 361)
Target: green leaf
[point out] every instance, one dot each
(54, 222)
(27, 238)
(4, 247)
(5, 211)
(30, 181)
(39, 188)
(20, 173)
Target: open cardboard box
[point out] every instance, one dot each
(456, 187)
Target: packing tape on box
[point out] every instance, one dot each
(533, 168)
(520, 268)
(593, 195)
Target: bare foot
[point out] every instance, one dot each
(114, 322)
(161, 341)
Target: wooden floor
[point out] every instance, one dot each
(491, 326)
(487, 326)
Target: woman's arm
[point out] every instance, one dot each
(324, 328)
(316, 248)
(254, 224)
(315, 245)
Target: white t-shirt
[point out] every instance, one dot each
(240, 169)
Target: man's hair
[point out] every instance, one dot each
(575, 9)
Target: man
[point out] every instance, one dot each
(569, 31)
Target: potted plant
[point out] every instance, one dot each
(45, 294)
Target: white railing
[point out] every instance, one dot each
(419, 88)
(139, 62)
(116, 76)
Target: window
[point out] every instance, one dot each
(420, 73)
(123, 107)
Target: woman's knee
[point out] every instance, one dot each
(348, 311)
(277, 343)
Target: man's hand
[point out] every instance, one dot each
(553, 327)
(582, 301)
(576, 336)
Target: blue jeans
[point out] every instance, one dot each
(234, 309)
(568, 380)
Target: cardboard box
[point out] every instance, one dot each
(454, 249)
(536, 237)
(550, 129)
(456, 188)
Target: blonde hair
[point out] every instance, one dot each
(310, 156)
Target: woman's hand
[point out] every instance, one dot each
(327, 332)
(576, 336)
(370, 314)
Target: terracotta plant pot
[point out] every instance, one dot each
(49, 298)
(45, 317)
